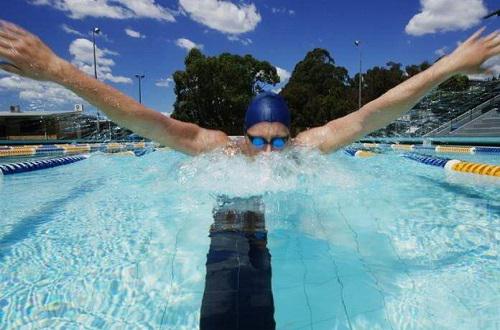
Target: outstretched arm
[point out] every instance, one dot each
(466, 59)
(30, 57)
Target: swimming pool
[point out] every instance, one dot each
(307, 241)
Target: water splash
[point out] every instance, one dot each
(273, 172)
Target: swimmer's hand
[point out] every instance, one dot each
(27, 55)
(469, 56)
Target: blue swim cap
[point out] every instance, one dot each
(268, 107)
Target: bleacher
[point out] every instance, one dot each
(487, 124)
(436, 114)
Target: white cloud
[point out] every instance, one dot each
(244, 41)
(66, 28)
(82, 52)
(441, 51)
(282, 10)
(187, 44)
(446, 15)
(149, 9)
(32, 90)
(283, 74)
(493, 64)
(167, 82)
(223, 16)
(134, 34)
(117, 9)
(284, 77)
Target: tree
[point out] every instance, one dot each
(318, 91)
(414, 69)
(214, 92)
(378, 80)
(458, 83)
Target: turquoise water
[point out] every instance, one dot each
(121, 242)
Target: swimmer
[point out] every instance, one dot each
(267, 121)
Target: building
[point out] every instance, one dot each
(46, 126)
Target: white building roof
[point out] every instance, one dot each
(37, 113)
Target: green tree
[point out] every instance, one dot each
(214, 92)
(318, 91)
(458, 83)
(378, 80)
(414, 69)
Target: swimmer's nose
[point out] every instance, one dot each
(268, 148)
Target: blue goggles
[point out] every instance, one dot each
(277, 142)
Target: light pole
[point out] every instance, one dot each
(358, 44)
(140, 77)
(95, 31)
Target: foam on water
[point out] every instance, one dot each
(267, 173)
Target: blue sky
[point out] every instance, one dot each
(152, 37)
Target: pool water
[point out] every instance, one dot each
(298, 239)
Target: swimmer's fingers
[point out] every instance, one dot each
(491, 36)
(495, 51)
(26, 54)
(492, 40)
(4, 35)
(10, 68)
(471, 56)
(9, 43)
(6, 41)
(476, 35)
(13, 28)
(7, 50)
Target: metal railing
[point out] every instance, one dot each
(465, 118)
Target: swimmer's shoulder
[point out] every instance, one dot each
(235, 146)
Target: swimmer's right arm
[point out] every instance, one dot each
(466, 59)
(30, 57)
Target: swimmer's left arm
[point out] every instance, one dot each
(466, 59)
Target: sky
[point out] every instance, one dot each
(152, 37)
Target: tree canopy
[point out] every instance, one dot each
(318, 91)
(214, 92)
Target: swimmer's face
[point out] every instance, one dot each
(268, 131)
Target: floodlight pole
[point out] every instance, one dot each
(358, 44)
(95, 31)
(140, 77)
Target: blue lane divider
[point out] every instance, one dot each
(488, 149)
(49, 148)
(142, 152)
(350, 151)
(425, 159)
(14, 168)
